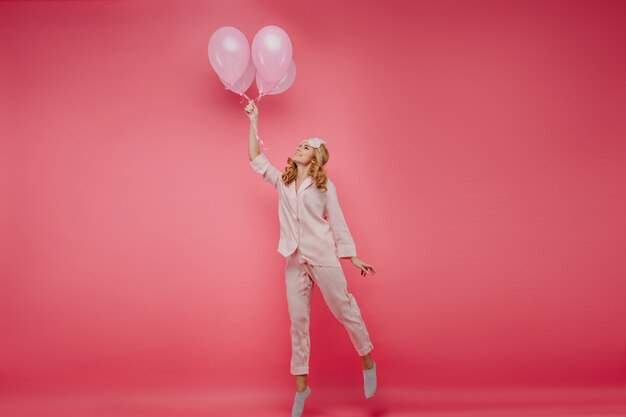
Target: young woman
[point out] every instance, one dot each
(313, 236)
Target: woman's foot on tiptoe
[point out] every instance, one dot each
(298, 402)
(369, 381)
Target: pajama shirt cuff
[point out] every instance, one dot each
(260, 163)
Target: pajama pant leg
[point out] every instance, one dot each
(300, 278)
(299, 289)
(332, 283)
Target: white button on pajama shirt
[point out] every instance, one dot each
(313, 235)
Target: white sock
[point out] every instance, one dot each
(298, 402)
(369, 381)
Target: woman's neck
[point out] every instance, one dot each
(303, 172)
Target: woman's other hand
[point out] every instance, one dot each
(252, 110)
(364, 267)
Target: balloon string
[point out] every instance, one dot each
(253, 120)
(256, 128)
(261, 95)
(256, 133)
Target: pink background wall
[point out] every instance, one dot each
(478, 150)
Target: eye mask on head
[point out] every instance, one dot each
(315, 142)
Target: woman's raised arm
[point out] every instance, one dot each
(253, 146)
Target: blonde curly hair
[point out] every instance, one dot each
(316, 169)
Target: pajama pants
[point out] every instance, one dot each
(300, 278)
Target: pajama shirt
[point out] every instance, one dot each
(313, 235)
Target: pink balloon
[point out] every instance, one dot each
(229, 53)
(243, 83)
(272, 52)
(262, 85)
(285, 82)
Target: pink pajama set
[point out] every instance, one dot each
(313, 235)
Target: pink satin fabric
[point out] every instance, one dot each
(310, 219)
(300, 278)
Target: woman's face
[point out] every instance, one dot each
(304, 153)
